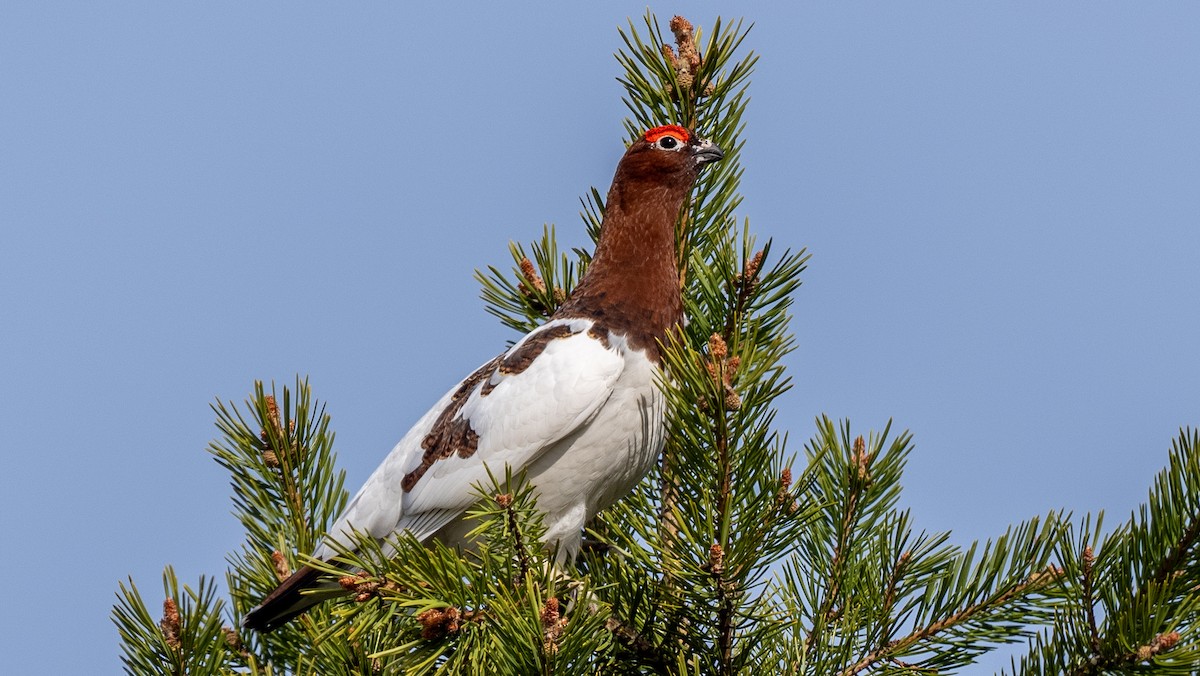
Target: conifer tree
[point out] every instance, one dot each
(733, 556)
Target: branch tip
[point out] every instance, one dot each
(439, 622)
(861, 462)
(750, 273)
(553, 624)
(685, 59)
(1161, 643)
(279, 562)
(716, 559)
(170, 623)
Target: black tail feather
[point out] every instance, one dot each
(292, 598)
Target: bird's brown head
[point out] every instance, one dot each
(669, 153)
(656, 174)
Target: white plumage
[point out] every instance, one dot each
(585, 416)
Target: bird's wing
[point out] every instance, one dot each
(505, 413)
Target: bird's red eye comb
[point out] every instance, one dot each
(677, 132)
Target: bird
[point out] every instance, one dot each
(575, 404)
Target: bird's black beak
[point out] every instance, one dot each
(707, 152)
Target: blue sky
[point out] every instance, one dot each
(1001, 201)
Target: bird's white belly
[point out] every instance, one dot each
(600, 463)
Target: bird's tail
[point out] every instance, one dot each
(303, 590)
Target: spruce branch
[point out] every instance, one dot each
(1129, 599)
(187, 639)
(971, 613)
(496, 609)
(1087, 583)
(513, 529)
(535, 287)
(866, 592)
(855, 502)
(281, 464)
(1105, 663)
(278, 450)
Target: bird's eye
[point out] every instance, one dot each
(668, 142)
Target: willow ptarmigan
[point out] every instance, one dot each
(574, 404)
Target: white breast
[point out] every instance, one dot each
(602, 461)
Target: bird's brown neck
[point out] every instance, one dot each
(632, 285)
